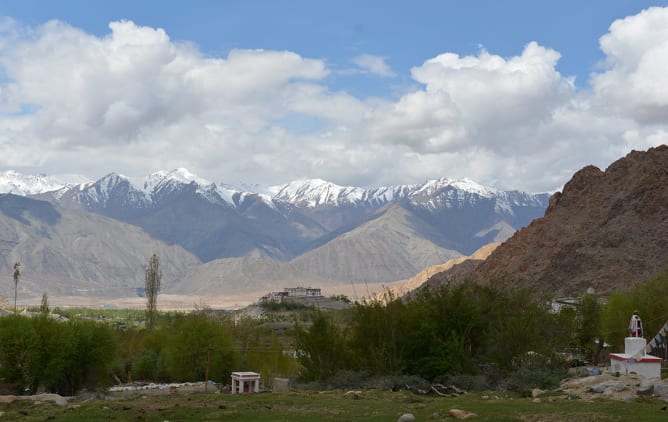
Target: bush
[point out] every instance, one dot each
(347, 380)
(536, 371)
(145, 366)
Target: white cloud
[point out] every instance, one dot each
(635, 81)
(374, 64)
(135, 101)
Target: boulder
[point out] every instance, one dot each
(56, 398)
(280, 385)
(406, 417)
(661, 390)
(461, 414)
(600, 388)
(535, 392)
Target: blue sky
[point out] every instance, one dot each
(356, 95)
(404, 33)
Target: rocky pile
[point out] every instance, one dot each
(625, 387)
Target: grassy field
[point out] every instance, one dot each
(333, 406)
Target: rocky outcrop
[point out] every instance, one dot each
(604, 231)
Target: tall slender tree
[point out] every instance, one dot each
(17, 276)
(152, 288)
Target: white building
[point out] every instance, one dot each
(245, 382)
(635, 358)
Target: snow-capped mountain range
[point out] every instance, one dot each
(308, 231)
(305, 193)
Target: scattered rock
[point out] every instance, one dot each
(536, 392)
(462, 414)
(436, 415)
(645, 388)
(406, 417)
(355, 395)
(661, 390)
(536, 400)
(600, 388)
(609, 392)
(56, 398)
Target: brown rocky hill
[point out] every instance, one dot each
(606, 230)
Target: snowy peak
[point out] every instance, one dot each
(432, 187)
(22, 184)
(180, 176)
(461, 193)
(432, 194)
(112, 188)
(317, 192)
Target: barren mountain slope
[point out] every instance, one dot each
(391, 247)
(421, 278)
(604, 231)
(64, 252)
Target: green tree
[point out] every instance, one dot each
(49, 347)
(90, 357)
(44, 306)
(378, 335)
(445, 331)
(650, 298)
(15, 333)
(185, 358)
(152, 280)
(17, 276)
(518, 323)
(320, 349)
(589, 326)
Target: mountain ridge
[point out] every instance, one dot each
(604, 231)
(309, 230)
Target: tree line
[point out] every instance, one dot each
(495, 333)
(504, 334)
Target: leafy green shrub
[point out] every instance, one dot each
(145, 366)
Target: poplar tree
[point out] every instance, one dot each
(17, 275)
(152, 288)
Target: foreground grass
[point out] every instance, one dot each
(333, 406)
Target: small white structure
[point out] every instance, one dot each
(635, 359)
(245, 382)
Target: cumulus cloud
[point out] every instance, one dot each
(135, 101)
(374, 64)
(635, 81)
